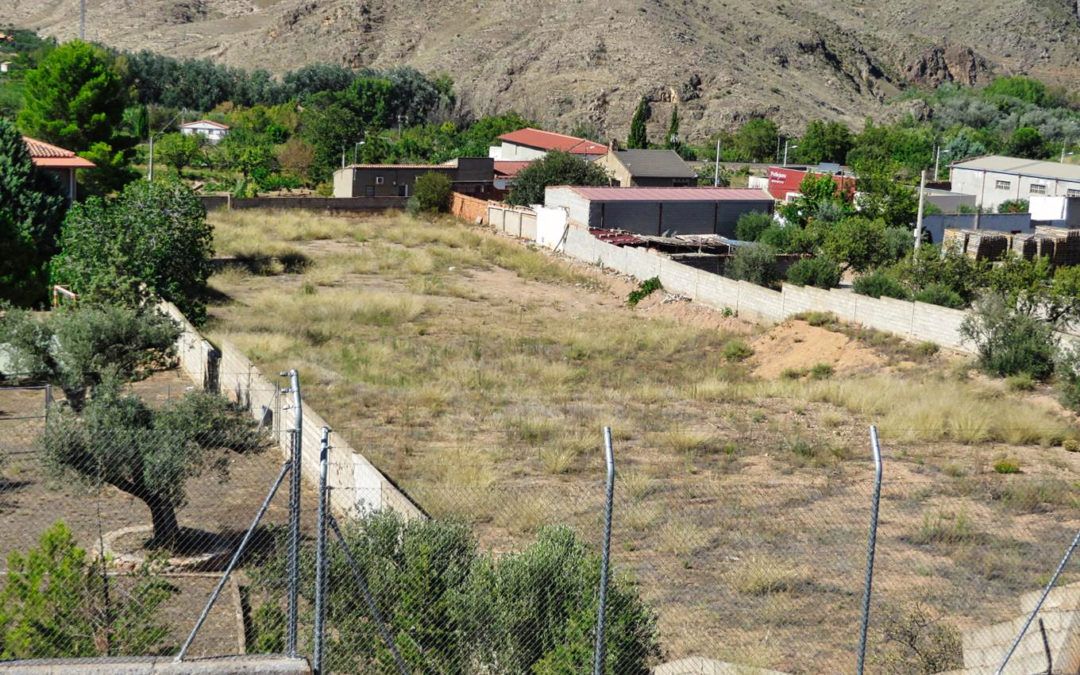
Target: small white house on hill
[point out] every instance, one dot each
(211, 131)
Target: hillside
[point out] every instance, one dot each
(565, 63)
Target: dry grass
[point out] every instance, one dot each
(934, 409)
(478, 374)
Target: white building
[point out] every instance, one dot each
(211, 131)
(995, 179)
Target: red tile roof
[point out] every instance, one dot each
(671, 194)
(549, 140)
(509, 169)
(48, 156)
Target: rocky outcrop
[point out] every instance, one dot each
(947, 63)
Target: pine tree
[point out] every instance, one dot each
(672, 141)
(638, 136)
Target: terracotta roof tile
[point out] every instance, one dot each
(47, 155)
(549, 140)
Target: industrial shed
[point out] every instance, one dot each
(657, 211)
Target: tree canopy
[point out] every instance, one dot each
(75, 97)
(153, 239)
(557, 168)
(31, 210)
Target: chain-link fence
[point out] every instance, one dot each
(743, 564)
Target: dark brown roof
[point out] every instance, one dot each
(654, 164)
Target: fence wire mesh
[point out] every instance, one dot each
(740, 563)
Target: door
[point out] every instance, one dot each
(403, 190)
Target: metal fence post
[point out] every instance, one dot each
(320, 554)
(294, 513)
(233, 561)
(609, 460)
(1038, 606)
(871, 545)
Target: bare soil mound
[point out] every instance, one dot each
(796, 345)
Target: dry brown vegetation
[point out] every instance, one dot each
(477, 373)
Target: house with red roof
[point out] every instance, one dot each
(525, 145)
(63, 163)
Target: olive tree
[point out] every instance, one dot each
(149, 454)
(78, 348)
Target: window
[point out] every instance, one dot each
(379, 180)
(1072, 193)
(1037, 189)
(1002, 184)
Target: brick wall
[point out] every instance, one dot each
(469, 209)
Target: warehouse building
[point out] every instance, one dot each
(995, 179)
(471, 175)
(658, 211)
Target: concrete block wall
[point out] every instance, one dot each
(911, 320)
(358, 485)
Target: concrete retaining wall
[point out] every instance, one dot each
(305, 203)
(358, 486)
(513, 220)
(912, 320)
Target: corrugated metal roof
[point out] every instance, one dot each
(1020, 166)
(672, 194)
(47, 155)
(549, 140)
(655, 164)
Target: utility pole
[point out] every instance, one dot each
(716, 168)
(82, 20)
(918, 220)
(937, 161)
(150, 168)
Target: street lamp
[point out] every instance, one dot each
(786, 147)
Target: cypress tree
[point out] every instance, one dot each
(672, 141)
(638, 137)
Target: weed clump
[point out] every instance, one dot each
(644, 290)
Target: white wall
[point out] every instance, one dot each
(983, 184)
(551, 224)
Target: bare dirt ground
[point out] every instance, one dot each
(31, 501)
(477, 374)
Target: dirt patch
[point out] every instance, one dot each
(796, 345)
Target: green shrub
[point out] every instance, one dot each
(880, 283)
(644, 290)
(1009, 342)
(939, 294)
(821, 371)
(56, 603)
(755, 263)
(268, 629)
(737, 350)
(752, 224)
(1021, 382)
(433, 192)
(1006, 466)
(1068, 377)
(821, 272)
